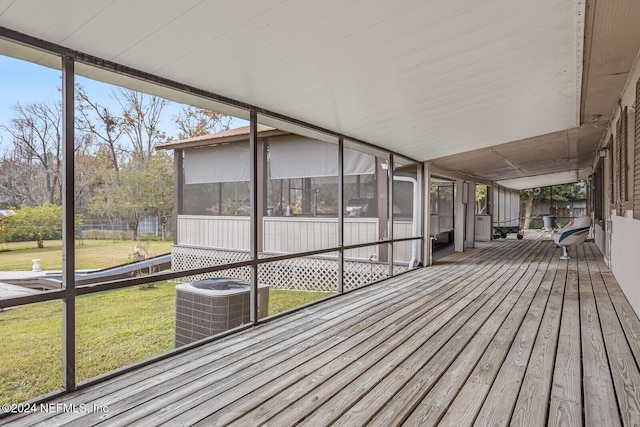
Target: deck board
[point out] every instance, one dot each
(531, 407)
(503, 334)
(372, 396)
(465, 408)
(479, 331)
(600, 405)
(566, 390)
(389, 384)
(205, 403)
(498, 406)
(626, 378)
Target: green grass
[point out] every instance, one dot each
(91, 254)
(280, 300)
(113, 329)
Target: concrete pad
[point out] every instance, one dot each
(4, 275)
(11, 291)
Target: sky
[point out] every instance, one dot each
(28, 83)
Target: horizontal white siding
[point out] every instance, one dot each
(220, 232)
(290, 234)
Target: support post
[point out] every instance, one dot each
(382, 193)
(178, 179)
(460, 217)
(426, 222)
(341, 215)
(390, 232)
(254, 217)
(422, 255)
(68, 227)
(470, 229)
(261, 200)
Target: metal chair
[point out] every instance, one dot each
(572, 235)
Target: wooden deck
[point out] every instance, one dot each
(503, 334)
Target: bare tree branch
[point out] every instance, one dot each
(192, 122)
(98, 121)
(37, 138)
(141, 114)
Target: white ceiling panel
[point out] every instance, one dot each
(4, 5)
(540, 180)
(428, 79)
(52, 21)
(126, 24)
(395, 74)
(197, 41)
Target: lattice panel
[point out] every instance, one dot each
(185, 258)
(303, 274)
(357, 274)
(308, 274)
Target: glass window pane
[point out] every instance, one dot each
(120, 327)
(299, 202)
(406, 213)
(442, 217)
(156, 167)
(366, 195)
(31, 148)
(31, 357)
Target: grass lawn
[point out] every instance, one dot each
(113, 329)
(91, 254)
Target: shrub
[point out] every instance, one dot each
(35, 223)
(105, 235)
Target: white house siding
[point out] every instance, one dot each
(622, 246)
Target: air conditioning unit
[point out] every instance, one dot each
(211, 306)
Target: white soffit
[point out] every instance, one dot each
(424, 78)
(540, 180)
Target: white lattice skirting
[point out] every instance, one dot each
(319, 273)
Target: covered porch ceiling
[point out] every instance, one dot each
(502, 90)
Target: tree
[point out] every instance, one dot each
(101, 123)
(3, 229)
(104, 201)
(131, 196)
(141, 114)
(538, 197)
(481, 199)
(158, 189)
(20, 182)
(87, 177)
(192, 122)
(37, 143)
(142, 188)
(39, 223)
